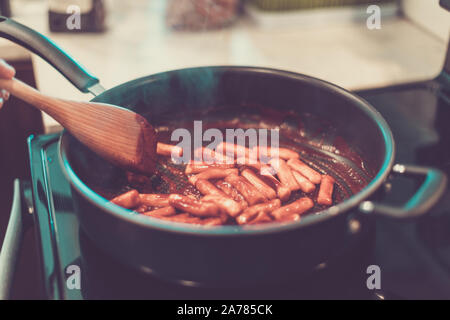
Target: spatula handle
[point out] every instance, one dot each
(30, 95)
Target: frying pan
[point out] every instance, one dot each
(334, 130)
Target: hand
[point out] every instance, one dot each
(6, 72)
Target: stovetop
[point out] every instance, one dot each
(413, 256)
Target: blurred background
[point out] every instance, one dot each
(341, 41)
(329, 39)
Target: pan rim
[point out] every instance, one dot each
(198, 230)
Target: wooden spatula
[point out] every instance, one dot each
(117, 134)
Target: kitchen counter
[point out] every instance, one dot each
(137, 43)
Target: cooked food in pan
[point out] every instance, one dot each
(237, 191)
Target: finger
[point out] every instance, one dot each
(6, 71)
(5, 94)
(1, 103)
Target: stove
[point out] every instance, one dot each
(413, 256)
(63, 245)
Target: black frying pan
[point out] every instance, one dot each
(341, 134)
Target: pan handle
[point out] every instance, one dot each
(425, 197)
(49, 51)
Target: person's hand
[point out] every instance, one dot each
(6, 72)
